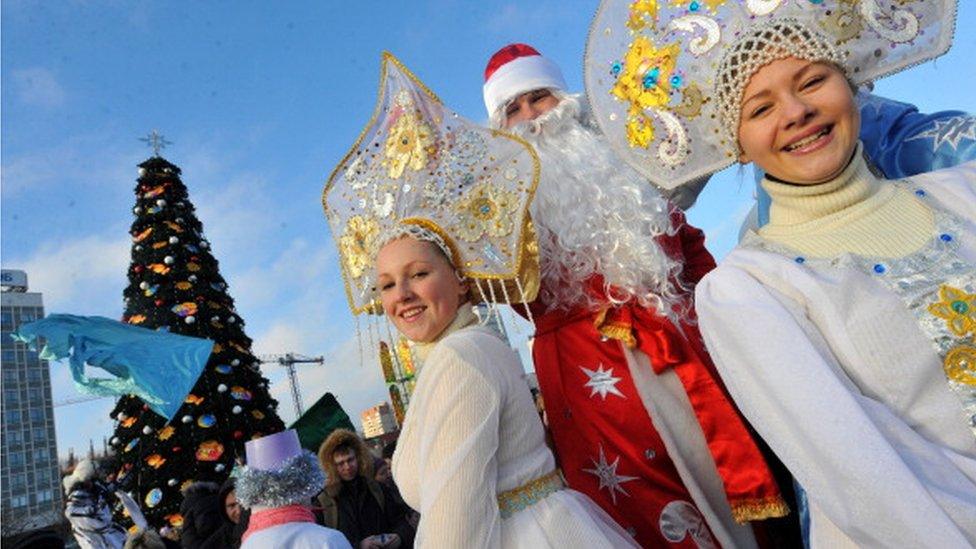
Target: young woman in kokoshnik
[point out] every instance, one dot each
(429, 212)
(845, 328)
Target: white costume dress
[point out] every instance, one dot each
(472, 433)
(845, 330)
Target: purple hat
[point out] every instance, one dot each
(269, 453)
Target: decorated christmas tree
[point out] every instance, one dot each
(175, 284)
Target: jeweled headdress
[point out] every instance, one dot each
(419, 164)
(657, 73)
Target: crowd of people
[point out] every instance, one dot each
(816, 388)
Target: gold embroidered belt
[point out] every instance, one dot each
(516, 499)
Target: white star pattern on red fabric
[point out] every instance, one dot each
(607, 473)
(602, 382)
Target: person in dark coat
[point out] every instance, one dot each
(369, 514)
(205, 524)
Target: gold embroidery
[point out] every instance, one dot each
(357, 242)
(408, 142)
(486, 209)
(960, 364)
(957, 308)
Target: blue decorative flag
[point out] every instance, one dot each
(157, 366)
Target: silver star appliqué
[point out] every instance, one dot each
(607, 473)
(951, 130)
(602, 382)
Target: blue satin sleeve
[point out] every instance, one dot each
(901, 142)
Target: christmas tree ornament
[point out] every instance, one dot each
(173, 240)
(114, 441)
(221, 388)
(153, 497)
(168, 260)
(235, 362)
(206, 421)
(147, 430)
(209, 450)
(190, 319)
(161, 203)
(137, 210)
(237, 409)
(192, 278)
(171, 482)
(219, 467)
(138, 247)
(187, 419)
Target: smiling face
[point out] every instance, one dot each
(418, 287)
(529, 106)
(799, 121)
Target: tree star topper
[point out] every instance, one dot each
(156, 141)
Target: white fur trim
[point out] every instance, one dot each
(519, 76)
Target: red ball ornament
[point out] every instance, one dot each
(159, 302)
(145, 407)
(137, 268)
(176, 449)
(200, 298)
(238, 435)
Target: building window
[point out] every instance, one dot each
(39, 436)
(34, 375)
(43, 496)
(7, 320)
(27, 315)
(9, 356)
(15, 459)
(11, 398)
(18, 501)
(10, 375)
(12, 416)
(40, 454)
(42, 476)
(37, 415)
(14, 436)
(18, 482)
(35, 395)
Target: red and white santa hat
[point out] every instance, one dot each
(516, 69)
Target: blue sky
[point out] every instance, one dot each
(261, 100)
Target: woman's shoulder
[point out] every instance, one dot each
(477, 347)
(953, 188)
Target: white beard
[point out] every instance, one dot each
(595, 215)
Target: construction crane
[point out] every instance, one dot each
(289, 360)
(78, 400)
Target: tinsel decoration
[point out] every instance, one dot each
(299, 478)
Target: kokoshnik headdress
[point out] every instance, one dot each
(420, 169)
(665, 77)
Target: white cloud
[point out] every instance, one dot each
(39, 87)
(81, 276)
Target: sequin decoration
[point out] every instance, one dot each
(154, 497)
(408, 141)
(957, 308)
(357, 244)
(960, 364)
(486, 209)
